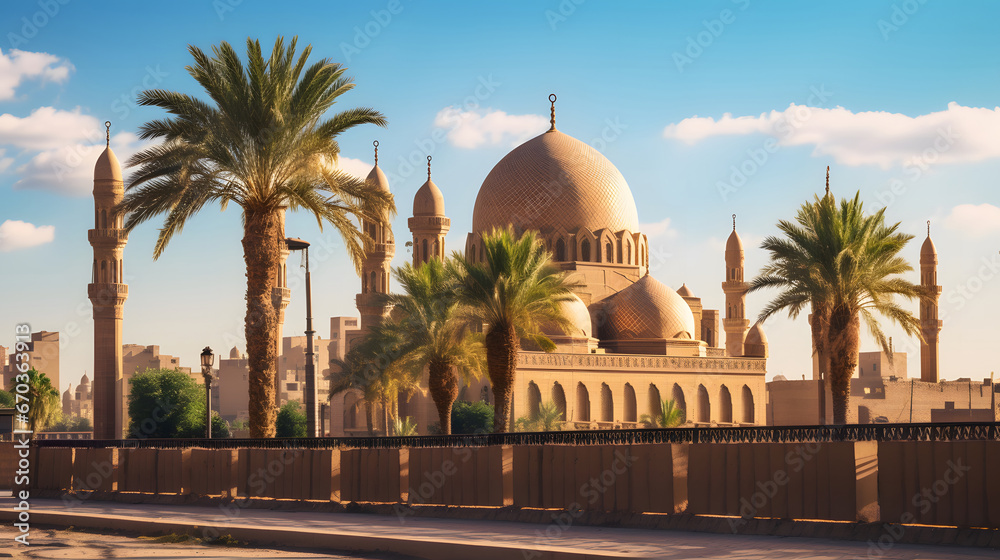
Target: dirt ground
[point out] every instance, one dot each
(85, 545)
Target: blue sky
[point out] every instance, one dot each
(899, 98)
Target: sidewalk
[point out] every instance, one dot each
(447, 539)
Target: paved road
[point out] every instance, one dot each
(49, 543)
(462, 540)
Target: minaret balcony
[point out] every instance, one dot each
(107, 294)
(429, 222)
(105, 236)
(379, 249)
(280, 297)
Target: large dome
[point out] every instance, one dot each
(647, 309)
(555, 181)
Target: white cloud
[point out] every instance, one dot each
(356, 167)
(20, 65)
(48, 128)
(974, 220)
(659, 229)
(471, 129)
(16, 235)
(69, 169)
(956, 135)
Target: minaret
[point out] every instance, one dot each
(108, 293)
(735, 323)
(428, 224)
(379, 249)
(930, 326)
(280, 296)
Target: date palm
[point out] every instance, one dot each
(669, 416)
(263, 142)
(436, 336)
(845, 264)
(42, 398)
(512, 293)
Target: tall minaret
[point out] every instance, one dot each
(108, 293)
(930, 326)
(735, 323)
(280, 296)
(379, 249)
(428, 224)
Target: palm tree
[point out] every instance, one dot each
(512, 293)
(369, 367)
(436, 336)
(548, 418)
(845, 264)
(669, 416)
(43, 398)
(262, 143)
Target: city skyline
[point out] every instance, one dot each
(697, 135)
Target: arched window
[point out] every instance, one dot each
(628, 251)
(560, 250)
(704, 406)
(629, 412)
(559, 399)
(104, 271)
(423, 251)
(372, 282)
(582, 403)
(609, 253)
(585, 250)
(534, 399)
(748, 409)
(607, 404)
(725, 405)
(104, 219)
(114, 271)
(654, 401)
(620, 251)
(436, 250)
(680, 403)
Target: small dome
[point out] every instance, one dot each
(928, 250)
(377, 179)
(107, 167)
(685, 291)
(85, 380)
(234, 354)
(755, 345)
(428, 201)
(578, 314)
(648, 309)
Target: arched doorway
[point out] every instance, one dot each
(585, 251)
(704, 406)
(560, 250)
(582, 403)
(559, 399)
(725, 405)
(607, 404)
(654, 401)
(629, 410)
(748, 408)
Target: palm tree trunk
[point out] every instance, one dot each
(820, 325)
(501, 361)
(443, 385)
(370, 417)
(844, 341)
(260, 252)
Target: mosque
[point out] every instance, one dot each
(635, 340)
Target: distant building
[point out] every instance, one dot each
(43, 355)
(79, 402)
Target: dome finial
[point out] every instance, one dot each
(375, 143)
(428, 168)
(827, 180)
(928, 228)
(552, 119)
(734, 222)
(107, 132)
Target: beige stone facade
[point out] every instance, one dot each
(43, 355)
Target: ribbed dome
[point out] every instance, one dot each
(377, 179)
(84, 380)
(756, 335)
(428, 201)
(734, 244)
(578, 314)
(685, 291)
(755, 344)
(555, 181)
(647, 309)
(107, 167)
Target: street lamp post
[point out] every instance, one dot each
(207, 359)
(310, 392)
